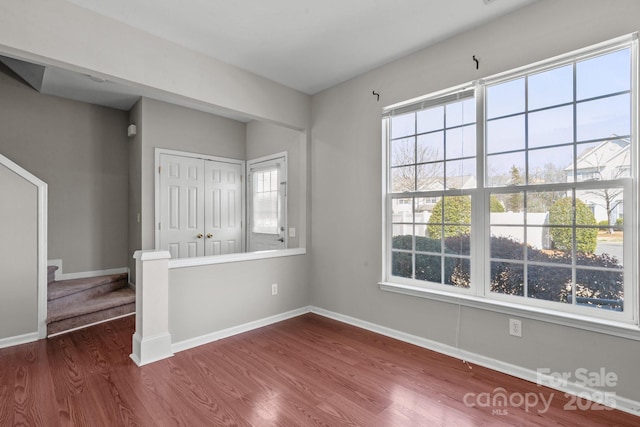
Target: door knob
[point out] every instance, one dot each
(199, 236)
(280, 239)
(209, 235)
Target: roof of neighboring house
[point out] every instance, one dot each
(602, 155)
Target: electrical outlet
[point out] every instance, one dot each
(274, 289)
(515, 327)
(292, 232)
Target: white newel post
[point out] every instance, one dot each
(152, 340)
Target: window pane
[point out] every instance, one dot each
(459, 243)
(604, 74)
(505, 134)
(403, 179)
(403, 152)
(548, 283)
(540, 202)
(459, 113)
(551, 127)
(600, 289)
(538, 238)
(420, 229)
(505, 169)
(605, 204)
(506, 242)
(427, 244)
(401, 264)
(505, 98)
(424, 206)
(507, 278)
(431, 147)
(431, 119)
(604, 160)
(457, 272)
(604, 118)
(550, 165)
(403, 125)
(265, 206)
(461, 174)
(430, 176)
(429, 268)
(461, 142)
(402, 209)
(551, 87)
(609, 251)
(402, 236)
(457, 210)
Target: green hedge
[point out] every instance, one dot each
(549, 282)
(561, 213)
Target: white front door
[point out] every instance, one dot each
(181, 206)
(267, 203)
(223, 208)
(200, 206)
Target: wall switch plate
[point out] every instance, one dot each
(274, 289)
(292, 232)
(515, 327)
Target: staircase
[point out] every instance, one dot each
(77, 303)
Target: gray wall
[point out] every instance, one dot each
(346, 177)
(264, 139)
(81, 152)
(18, 255)
(208, 299)
(135, 188)
(169, 126)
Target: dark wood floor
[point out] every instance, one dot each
(305, 371)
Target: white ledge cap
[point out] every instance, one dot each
(150, 255)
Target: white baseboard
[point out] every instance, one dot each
(235, 330)
(150, 349)
(19, 339)
(618, 402)
(59, 275)
(91, 324)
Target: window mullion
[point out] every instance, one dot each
(480, 251)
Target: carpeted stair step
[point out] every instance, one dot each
(99, 308)
(51, 273)
(87, 287)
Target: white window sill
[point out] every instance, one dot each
(237, 257)
(619, 329)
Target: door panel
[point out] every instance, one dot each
(181, 198)
(223, 208)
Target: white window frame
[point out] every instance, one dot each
(264, 163)
(478, 295)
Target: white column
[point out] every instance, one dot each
(152, 340)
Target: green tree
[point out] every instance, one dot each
(514, 202)
(561, 213)
(495, 205)
(456, 216)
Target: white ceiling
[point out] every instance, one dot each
(304, 44)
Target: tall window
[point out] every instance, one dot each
(266, 212)
(432, 153)
(515, 190)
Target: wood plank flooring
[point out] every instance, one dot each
(307, 371)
